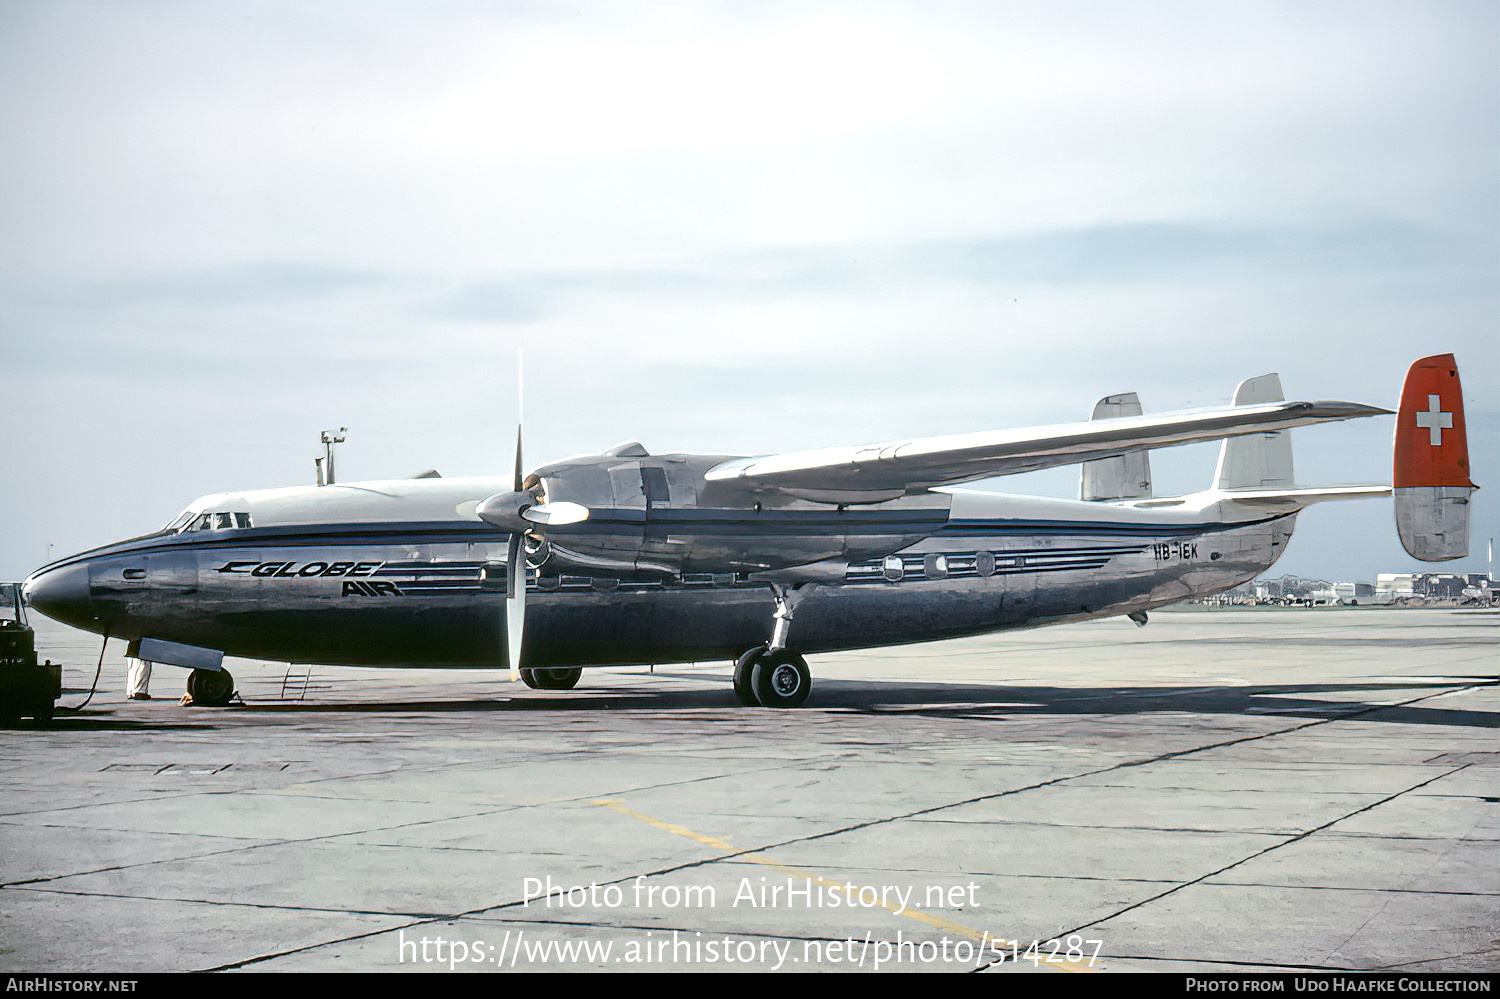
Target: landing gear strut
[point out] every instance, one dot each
(551, 679)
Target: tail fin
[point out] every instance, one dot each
(1431, 462)
(1257, 461)
(1125, 476)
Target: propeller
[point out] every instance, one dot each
(523, 512)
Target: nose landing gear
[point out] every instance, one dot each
(212, 688)
(551, 679)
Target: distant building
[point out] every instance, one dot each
(1398, 589)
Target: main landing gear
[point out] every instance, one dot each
(551, 679)
(777, 679)
(773, 675)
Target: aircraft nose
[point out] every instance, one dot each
(62, 594)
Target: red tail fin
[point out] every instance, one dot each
(1431, 462)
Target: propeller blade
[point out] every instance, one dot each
(506, 511)
(515, 603)
(520, 409)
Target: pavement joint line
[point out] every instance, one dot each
(1118, 766)
(1235, 964)
(881, 821)
(652, 928)
(1109, 828)
(1029, 787)
(910, 912)
(1384, 904)
(1433, 960)
(227, 905)
(1380, 891)
(310, 839)
(1259, 853)
(253, 846)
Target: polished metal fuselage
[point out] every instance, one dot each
(687, 582)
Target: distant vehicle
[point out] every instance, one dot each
(26, 688)
(627, 557)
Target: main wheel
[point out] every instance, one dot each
(554, 679)
(211, 688)
(743, 667)
(528, 677)
(781, 679)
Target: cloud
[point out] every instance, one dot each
(722, 227)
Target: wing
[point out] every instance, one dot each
(873, 472)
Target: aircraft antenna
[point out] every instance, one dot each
(326, 464)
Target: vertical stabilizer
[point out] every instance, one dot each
(1257, 461)
(1431, 462)
(1126, 476)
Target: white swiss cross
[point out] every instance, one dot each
(1435, 421)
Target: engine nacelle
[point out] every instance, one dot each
(656, 514)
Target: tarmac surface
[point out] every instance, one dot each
(1231, 790)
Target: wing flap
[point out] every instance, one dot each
(919, 464)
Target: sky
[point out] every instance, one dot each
(725, 227)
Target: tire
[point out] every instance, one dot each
(743, 667)
(211, 688)
(556, 679)
(781, 679)
(528, 677)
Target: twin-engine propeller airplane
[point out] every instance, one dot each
(627, 557)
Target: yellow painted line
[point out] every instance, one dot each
(849, 889)
(616, 805)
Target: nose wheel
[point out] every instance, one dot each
(212, 688)
(774, 679)
(551, 679)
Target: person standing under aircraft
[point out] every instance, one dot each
(137, 679)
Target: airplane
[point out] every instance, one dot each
(628, 557)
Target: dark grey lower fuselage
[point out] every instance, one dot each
(412, 595)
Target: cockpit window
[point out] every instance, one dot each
(180, 521)
(217, 520)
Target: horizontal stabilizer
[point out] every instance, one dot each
(1431, 462)
(1301, 497)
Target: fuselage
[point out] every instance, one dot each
(402, 573)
